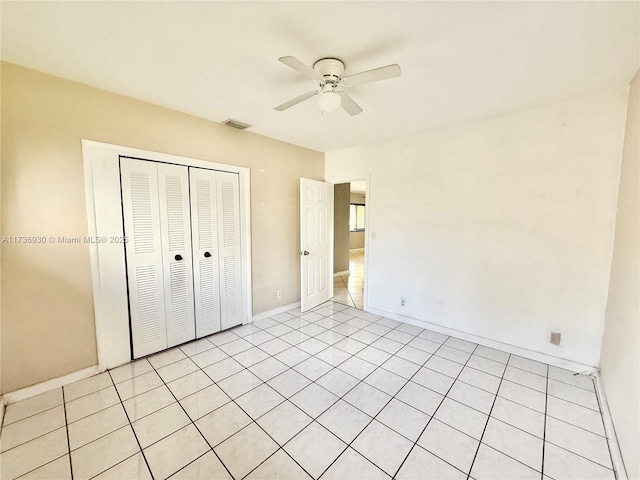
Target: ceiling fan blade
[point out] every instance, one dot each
(300, 67)
(295, 101)
(351, 107)
(382, 73)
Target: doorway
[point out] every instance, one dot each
(350, 228)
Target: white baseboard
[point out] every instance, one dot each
(39, 388)
(339, 274)
(274, 311)
(610, 431)
(487, 342)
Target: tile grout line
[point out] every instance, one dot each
(262, 383)
(373, 417)
(281, 447)
(134, 435)
(66, 426)
(487, 423)
(191, 421)
(40, 436)
(28, 416)
(544, 431)
(318, 416)
(339, 398)
(445, 396)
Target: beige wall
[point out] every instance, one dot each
(356, 240)
(341, 227)
(47, 309)
(510, 231)
(620, 362)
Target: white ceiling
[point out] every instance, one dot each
(460, 60)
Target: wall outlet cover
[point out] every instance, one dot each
(555, 338)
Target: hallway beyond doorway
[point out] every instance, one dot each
(349, 289)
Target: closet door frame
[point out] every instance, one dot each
(106, 233)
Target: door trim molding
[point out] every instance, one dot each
(104, 218)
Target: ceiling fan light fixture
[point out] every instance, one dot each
(329, 100)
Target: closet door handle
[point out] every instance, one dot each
(207, 254)
(178, 257)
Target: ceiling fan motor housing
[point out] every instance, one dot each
(331, 69)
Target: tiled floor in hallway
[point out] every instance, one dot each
(335, 393)
(349, 288)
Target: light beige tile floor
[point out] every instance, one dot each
(334, 394)
(349, 289)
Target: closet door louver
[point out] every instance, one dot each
(229, 249)
(204, 220)
(144, 255)
(175, 229)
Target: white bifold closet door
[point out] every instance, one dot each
(183, 284)
(215, 216)
(175, 230)
(145, 273)
(155, 200)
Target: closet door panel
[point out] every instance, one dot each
(204, 221)
(229, 249)
(143, 252)
(175, 232)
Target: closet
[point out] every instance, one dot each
(182, 252)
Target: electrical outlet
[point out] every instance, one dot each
(403, 302)
(279, 293)
(555, 338)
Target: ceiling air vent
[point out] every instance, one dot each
(236, 124)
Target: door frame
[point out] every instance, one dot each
(367, 229)
(105, 225)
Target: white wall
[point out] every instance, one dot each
(510, 228)
(620, 364)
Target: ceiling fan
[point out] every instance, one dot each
(328, 73)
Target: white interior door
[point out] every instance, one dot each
(144, 255)
(175, 230)
(204, 222)
(229, 249)
(316, 242)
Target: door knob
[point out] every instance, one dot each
(207, 254)
(178, 257)
(305, 253)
